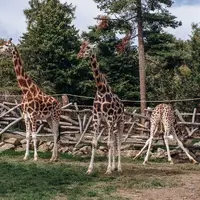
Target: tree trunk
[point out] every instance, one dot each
(141, 58)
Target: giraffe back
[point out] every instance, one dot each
(164, 114)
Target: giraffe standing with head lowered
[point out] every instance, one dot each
(107, 108)
(36, 105)
(163, 114)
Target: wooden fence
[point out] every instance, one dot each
(76, 125)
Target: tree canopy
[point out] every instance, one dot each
(50, 45)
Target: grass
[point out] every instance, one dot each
(66, 179)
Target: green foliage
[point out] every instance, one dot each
(8, 83)
(49, 46)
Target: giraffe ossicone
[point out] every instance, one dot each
(107, 109)
(36, 105)
(163, 114)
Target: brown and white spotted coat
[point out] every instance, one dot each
(163, 114)
(36, 105)
(107, 108)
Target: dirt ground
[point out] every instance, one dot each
(185, 180)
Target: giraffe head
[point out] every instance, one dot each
(86, 50)
(7, 47)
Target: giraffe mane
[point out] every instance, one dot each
(83, 47)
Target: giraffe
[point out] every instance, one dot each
(163, 114)
(36, 105)
(107, 108)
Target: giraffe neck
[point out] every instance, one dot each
(24, 81)
(101, 84)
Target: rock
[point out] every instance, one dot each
(125, 147)
(1, 144)
(7, 147)
(43, 147)
(85, 149)
(129, 153)
(64, 149)
(23, 141)
(189, 142)
(78, 153)
(49, 143)
(19, 148)
(161, 153)
(14, 141)
(197, 144)
(100, 152)
(103, 148)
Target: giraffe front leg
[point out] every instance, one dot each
(113, 152)
(34, 138)
(55, 130)
(120, 133)
(94, 146)
(110, 146)
(28, 132)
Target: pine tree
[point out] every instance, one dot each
(50, 44)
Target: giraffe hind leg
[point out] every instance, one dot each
(28, 133)
(120, 133)
(167, 147)
(55, 131)
(183, 148)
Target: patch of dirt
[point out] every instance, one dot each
(187, 187)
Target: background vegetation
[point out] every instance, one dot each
(49, 50)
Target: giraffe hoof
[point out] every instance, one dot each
(108, 172)
(89, 171)
(25, 158)
(144, 163)
(53, 160)
(114, 168)
(119, 170)
(35, 158)
(171, 162)
(194, 162)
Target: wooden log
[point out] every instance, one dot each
(65, 123)
(84, 120)
(79, 118)
(4, 122)
(75, 111)
(71, 127)
(86, 128)
(136, 115)
(189, 123)
(129, 131)
(9, 110)
(9, 118)
(69, 132)
(9, 103)
(182, 120)
(11, 124)
(66, 106)
(67, 118)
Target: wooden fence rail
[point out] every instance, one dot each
(76, 124)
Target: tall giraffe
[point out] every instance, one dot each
(163, 114)
(36, 104)
(107, 108)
